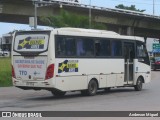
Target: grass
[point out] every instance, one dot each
(5, 72)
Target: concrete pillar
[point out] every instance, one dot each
(145, 40)
(130, 31)
(120, 30)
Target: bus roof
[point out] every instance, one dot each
(102, 33)
(89, 33)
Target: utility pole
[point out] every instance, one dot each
(41, 3)
(35, 15)
(90, 16)
(153, 7)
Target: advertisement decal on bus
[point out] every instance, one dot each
(30, 68)
(36, 43)
(68, 66)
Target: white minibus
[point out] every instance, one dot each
(75, 59)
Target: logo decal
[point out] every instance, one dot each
(68, 66)
(31, 43)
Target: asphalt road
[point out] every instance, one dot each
(118, 99)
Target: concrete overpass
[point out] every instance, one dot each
(121, 21)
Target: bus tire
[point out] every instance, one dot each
(92, 88)
(138, 86)
(57, 93)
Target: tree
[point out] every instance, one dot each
(69, 19)
(132, 7)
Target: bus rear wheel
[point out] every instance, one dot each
(92, 88)
(57, 93)
(138, 86)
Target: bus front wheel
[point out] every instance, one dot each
(138, 86)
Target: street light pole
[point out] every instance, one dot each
(35, 15)
(1, 43)
(153, 7)
(90, 16)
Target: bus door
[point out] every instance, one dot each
(129, 56)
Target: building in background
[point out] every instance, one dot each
(0, 43)
(5, 44)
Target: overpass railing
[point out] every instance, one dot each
(121, 11)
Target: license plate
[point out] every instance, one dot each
(29, 84)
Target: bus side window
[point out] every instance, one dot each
(97, 48)
(60, 46)
(70, 47)
(89, 47)
(65, 46)
(142, 53)
(85, 47)
(102, 48)
(80, 48)
(116, 48)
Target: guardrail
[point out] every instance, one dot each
(121, 11)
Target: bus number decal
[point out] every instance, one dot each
(68, 66)
(23, 72)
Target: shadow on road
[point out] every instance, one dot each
(71, 95)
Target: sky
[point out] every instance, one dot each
(140, 4)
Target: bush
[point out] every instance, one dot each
(5, 72)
